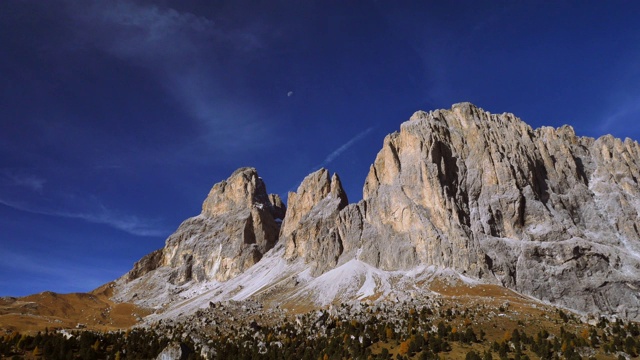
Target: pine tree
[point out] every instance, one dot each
(487, 355)
(472, 355)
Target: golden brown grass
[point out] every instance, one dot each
(95, 310)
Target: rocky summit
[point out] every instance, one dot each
(238, 224)
(458, 193)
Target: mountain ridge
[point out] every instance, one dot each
(455, 196)
(540, 211)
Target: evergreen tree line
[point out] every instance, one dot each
(86, 345)
(409, 335)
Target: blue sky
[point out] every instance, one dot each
(117, 117)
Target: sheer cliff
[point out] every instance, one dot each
(238, 224)
(544, 212)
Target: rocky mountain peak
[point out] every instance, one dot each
(243, 189)
(314, 189)
(308, 231)
(236, 227)
(542, 211)
(485, 194)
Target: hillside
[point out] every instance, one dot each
(455, 321)
(93, 311)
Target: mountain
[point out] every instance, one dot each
(458, 194)
(236, 227)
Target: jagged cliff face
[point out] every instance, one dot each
(309, 230)
(542, 211)
(236, 227)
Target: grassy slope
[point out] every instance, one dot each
(95, 310)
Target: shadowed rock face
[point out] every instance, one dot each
(236, 227)
(145, 265)
(542, 211)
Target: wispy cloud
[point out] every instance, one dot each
(100, 215)
(158, 35)
(344, 147)
(148, 33)
(31, 182)
(88, 208)
(43, 272)
(187, 54)
(622, 117)
(128, 223)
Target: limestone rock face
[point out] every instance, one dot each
(309, 228)
(236, 227)
(544, 212)
(145, 265)
(279, 209)
(541, 211)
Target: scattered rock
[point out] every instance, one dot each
(174, 351)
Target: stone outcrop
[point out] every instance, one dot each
(175, 351)
(309, 228)
(236, 227)
(145, 265)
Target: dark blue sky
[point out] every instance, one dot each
(117, 117)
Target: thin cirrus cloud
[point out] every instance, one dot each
(31, 182)
(181, 51)
(74, 276)
(88, 208)
(100, 215)
(625, 117)
(344, 147)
